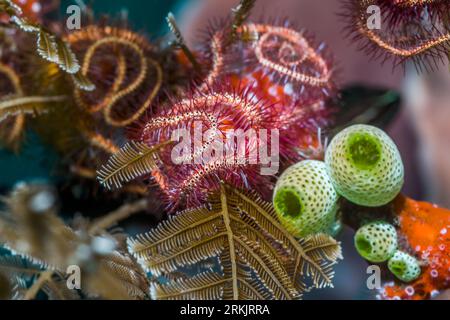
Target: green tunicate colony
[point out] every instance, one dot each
(363, 165)
(376, 241)
(404, 266)
(305, 199)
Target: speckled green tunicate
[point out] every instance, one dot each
(376, 241)
(305, 200)
(365, 166)
(404, 266)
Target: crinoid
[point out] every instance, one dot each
(12, 129)
(253, 256)
(226, 135)
(124, 68)
(42, 248)
(37, 81)
(48, 45)
(19, 95)
(416, 31)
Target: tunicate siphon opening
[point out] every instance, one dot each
(364, 149)
(288, 203)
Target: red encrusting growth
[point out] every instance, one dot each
(426, 230)
(299, 123)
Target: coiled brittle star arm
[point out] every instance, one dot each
(288, 38)
(402, 52)
(115, 94)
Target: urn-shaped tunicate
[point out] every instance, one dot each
(365, 166)
(305, 200)
(404, 266)
(376, 241)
